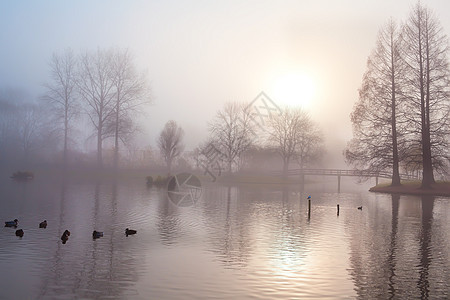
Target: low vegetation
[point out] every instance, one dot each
(159, 181)
(22, 175)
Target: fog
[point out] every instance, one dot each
(199, 55)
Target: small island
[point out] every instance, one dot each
(414, 188)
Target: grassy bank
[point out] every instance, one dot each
(413, 188)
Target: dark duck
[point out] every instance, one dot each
(65, 236)
(11, 223)
(43, 224)
(130, 232)
(96, 234)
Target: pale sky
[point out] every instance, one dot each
(202, 54)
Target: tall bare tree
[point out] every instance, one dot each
(96, 87)
(170, 143)
(232, 132)
(427, 82)
(61, 93)
(131, 92)
(293, 136)
(310, 148)
(375, 117)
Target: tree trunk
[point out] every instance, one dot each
(66, 125)
(99, 146)
(428, 177)
(285, 167)
(395, 159)
(116, 136)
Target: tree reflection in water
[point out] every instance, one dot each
(87, 268)
(425, 245)
(397, 265)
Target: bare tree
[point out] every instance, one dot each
(96, 87)
(427, 82)
(310, 146)
(8, 128)
(131, 91)
(232, 132)
(170, 143)
(23, 132)
(61, 93)
(293, 136)
(28, 129)
(375, 119)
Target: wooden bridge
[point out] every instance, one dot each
(339, 172)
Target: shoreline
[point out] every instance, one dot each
(440, 189)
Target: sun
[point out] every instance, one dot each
(294, 89)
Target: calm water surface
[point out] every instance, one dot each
(252, 242)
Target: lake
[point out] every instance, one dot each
(248, 242)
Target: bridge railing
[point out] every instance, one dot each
(341, 172)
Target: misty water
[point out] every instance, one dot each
(248, 242)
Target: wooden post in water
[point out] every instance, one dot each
(338, 209)
(309, 207)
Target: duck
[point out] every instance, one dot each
(19, 232)
(96, 234)
(43, 224)
(360, 207)
(11, 223)
(65, 236)
(130, 231)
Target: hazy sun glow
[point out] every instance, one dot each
(294, 89)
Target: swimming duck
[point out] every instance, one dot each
(43, 224)
(11, 223)
(130, 231)
(360, 207)
(65, 236)
(19, 232)
(96, 234)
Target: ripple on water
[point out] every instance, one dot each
(234, 243)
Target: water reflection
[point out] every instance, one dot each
(398, 267)
(425, 245)
(168, 220)
(86, 268)
(391, 260)
(56, 269)
(227, 226)
(236, 242)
